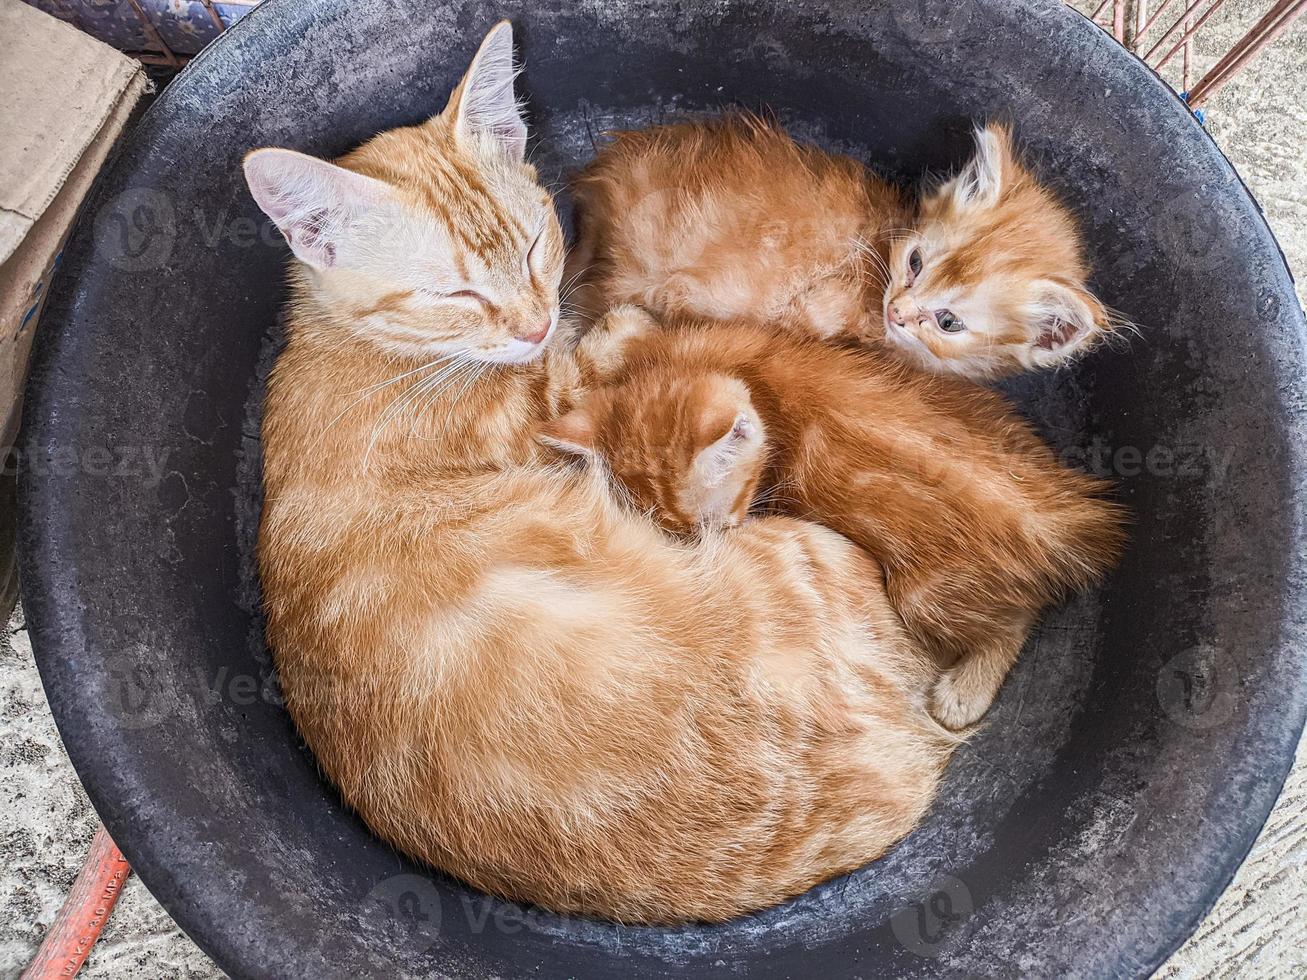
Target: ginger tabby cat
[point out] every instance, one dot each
(981, 276)
(976, 523)
(508, 672)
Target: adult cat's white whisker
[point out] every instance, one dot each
(401, 401)
(433, 392)
(566, 289)
(470, 380)
(391, 411)
(399, 377)
(373, 389)
(467, 373)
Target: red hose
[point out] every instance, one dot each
(85, 911)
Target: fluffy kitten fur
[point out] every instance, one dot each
(733, 220)
(506, 671)
(977, 525)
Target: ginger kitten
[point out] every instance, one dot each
(506, 672)
(977, 525)
(981, 276)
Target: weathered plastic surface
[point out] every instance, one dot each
(1134, 753)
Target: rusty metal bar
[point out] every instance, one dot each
(1244, 42)
(214, 15)
(1282, 15)
(1188, 70)
(154, 58)
(1148, 24)
(1188, 11)
(1190, 33)
(155, 37)
(1281, 18)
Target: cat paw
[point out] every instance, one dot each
(956, 704)
(627, 322)
(607, 342)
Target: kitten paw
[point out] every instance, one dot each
(607, 342)
(627, 322)
(956, 704)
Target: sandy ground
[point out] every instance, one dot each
(46, 825)
(1259, 928)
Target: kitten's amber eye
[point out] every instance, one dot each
(948, 322)
(915, 263)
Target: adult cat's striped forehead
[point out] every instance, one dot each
(485, 217)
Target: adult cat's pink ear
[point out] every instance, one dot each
(573, 433)
(484, 106)
(983, 180)
(318, 206)
(1068, 319)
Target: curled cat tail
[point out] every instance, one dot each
(954, 739)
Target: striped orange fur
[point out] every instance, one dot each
(508, 672)
(976, 523)
(982, 275)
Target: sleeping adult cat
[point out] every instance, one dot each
(506, 671)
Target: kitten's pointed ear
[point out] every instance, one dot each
(1068, 319)
(573, 433)
(318, 206)
(989, 173)
(718, 459)
(484, 106)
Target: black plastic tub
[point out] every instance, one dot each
(1133, 755)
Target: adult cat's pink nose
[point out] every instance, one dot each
(895, 315)
(537, 335)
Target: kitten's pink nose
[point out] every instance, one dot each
(537, 335)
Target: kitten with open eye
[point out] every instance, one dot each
(976, 523)
(982, 276)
